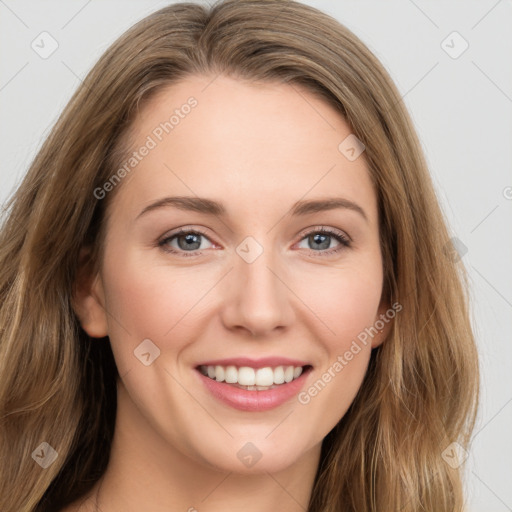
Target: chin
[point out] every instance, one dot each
(257, 456)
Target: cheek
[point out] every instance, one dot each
(345, 301)
(349, 310)
(327, 398)
(157, 302)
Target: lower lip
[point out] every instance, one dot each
(254, 401)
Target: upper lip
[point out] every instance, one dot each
(272, 361)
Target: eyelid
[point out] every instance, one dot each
(186, 229)
(331, 230)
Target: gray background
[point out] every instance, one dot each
(461, 107)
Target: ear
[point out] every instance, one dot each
(88, 298)
(383, 322)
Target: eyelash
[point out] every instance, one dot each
(340, 237)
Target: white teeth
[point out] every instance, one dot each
(246, 376)
(254, 379)
(230, 375)
(279, 375)
(288, 374)
(264, 376)
(219, 373)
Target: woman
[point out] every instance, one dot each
(174, 338)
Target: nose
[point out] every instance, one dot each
(258, 299)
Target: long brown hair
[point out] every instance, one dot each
(58, 386)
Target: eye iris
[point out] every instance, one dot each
(191, 239)
(323, 244)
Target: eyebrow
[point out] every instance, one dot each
(211, 207)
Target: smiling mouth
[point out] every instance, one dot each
(254, 379)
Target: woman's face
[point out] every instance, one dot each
(261, 278)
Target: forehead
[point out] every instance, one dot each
(244, 143)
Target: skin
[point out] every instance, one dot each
(257, 148)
